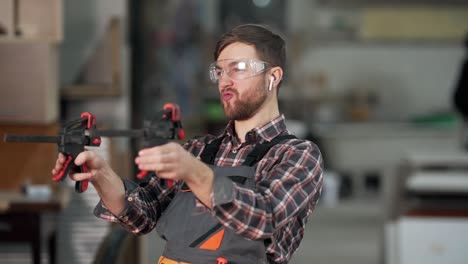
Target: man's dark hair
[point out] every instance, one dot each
(269, 46)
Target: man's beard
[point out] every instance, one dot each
(243, 109)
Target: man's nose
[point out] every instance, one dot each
(224, 79)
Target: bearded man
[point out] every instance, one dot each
(241, 197)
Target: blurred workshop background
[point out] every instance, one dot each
(372, 82)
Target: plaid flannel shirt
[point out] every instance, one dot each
(288, 186)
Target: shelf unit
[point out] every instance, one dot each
(31, 20)
(30, 33)
(29, 84)
(28, 81)
(100, 76)
(6, 19)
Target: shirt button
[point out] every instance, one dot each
(234, 151)
(130, 199)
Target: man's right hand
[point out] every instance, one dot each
(93, 161)
(108, 184)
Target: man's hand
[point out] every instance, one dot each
(93, 161)
(169, 161)
(58, 164)
(172, 161)
(108, 184)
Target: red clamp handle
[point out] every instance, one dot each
(221, 260)
(142, 174)
(91, 119)
(175, 111)
(175, 117)
(181, 134)
(64, 170)
(82, 186)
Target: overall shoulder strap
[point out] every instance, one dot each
(208, 156)
(209, 153)
(261, 149)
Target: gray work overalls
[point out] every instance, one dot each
(187, 230)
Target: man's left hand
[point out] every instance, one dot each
(169, 161)
(172, 161)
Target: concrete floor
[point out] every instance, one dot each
(349, 233)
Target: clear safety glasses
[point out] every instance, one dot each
(237, 69)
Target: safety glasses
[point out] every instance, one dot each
(237, 69)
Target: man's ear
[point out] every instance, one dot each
(276, 74)
(272, 79)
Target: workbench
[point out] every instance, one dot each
(20, 220)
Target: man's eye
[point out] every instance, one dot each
(239, 69)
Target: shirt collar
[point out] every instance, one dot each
(266, 132)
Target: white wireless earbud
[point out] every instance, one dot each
(272, 79)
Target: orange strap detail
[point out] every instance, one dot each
(214, 242)
(164, 260)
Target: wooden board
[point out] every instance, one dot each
(20, 162)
